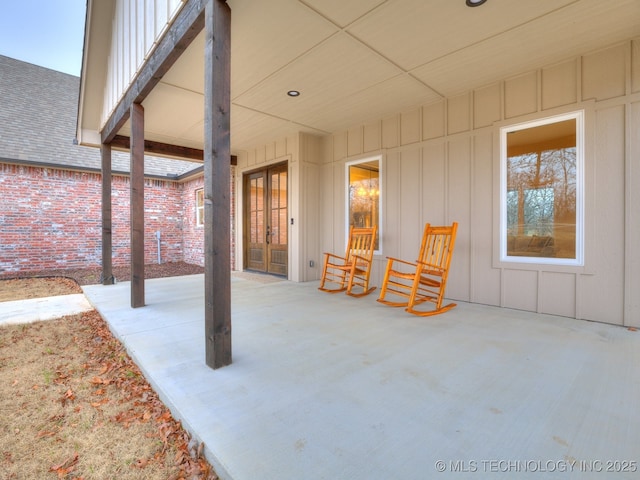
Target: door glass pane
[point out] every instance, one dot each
(256, 210)
(279, 208)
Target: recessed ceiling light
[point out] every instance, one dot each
(475, 3)
(293, 93)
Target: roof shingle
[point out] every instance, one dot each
(38, 113)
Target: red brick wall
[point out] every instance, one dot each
(51, 219)
(163, 211)
(194, 235)
(35, 232)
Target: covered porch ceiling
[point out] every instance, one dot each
(357, 61)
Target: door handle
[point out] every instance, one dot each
(268, 234)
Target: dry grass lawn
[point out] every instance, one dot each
(75, 406)
(25, 288)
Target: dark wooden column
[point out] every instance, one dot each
(217, 171)
(107, 244)
(137, 205)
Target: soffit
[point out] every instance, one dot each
(578, 28)
(94, 68)
(343, 13)
(434, 30)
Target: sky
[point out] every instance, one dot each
(49, 33)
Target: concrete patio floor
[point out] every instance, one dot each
(333, 387)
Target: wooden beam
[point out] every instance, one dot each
(136, 204)
(186, 27)
(107, 243)
(165, 149)
(217, 172)
(161, 149)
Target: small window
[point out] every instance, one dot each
(200, 207)
(363, 195)
(542, 191)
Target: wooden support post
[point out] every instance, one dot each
(217, 171)
(137, 205)
(107, 244)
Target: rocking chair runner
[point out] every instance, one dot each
(354, 269)
(426, 279)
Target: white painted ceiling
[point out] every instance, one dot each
(355, 61)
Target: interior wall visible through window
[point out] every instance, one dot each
(542, 191)
(363, 195)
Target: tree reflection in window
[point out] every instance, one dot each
(541, 196)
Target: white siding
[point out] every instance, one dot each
(441, 165)
(136, 31)
(303, 154)
(632, 187)
(603, 291)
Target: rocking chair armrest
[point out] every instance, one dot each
(399, 260)
(333, 255)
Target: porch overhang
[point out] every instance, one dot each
(214, 17)
(352, 64)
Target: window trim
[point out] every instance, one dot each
(199, 209)
(579, 261)
(349, 164)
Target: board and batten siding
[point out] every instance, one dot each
(303, 154)
(137, 27)
(441, 164)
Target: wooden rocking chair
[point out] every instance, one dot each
(426, 279)
(352, 270)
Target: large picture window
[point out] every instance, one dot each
(542, 191)
(363, 195)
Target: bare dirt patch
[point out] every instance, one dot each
(26, 288)
(21, 286)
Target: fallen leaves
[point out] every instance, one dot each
(116, 372)
(65, 467)
(99, 381)
(89, 399)
(100, 403)
(46, 433)
(68, 396)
